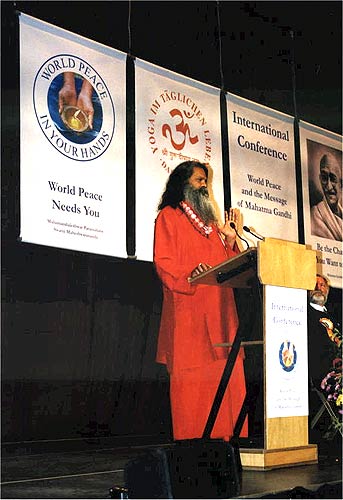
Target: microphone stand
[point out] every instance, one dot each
(233, 225)
(248, 230)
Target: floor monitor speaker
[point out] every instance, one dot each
(190, 469)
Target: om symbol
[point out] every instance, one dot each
(181, 127)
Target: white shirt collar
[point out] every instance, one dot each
(318, 307)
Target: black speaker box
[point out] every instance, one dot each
(191, 469)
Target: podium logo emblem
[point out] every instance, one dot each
(287, 355)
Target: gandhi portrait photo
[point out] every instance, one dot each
(325, 190)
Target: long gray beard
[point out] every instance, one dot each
(201, 203)
(317, 297)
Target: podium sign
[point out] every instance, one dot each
(286, 270)
(286, 352)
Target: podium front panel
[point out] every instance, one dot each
(285, 263)
(286, 366)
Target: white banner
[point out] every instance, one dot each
(286, 352)
(177, 119)
(321, 166)
(262, 169)
(73, 167)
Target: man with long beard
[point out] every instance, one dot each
(323, 340)
(188, 241)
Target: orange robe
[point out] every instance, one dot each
(194, 318)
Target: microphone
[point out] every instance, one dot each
(248, 230)
(233, 225)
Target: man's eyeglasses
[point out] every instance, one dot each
(324, 177)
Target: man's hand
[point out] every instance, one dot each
(232, 215)
(85, 103)
(67, 95)
(201, 268)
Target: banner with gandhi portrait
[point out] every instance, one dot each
(177, 119)
(72, 141)
(262, 169)
(321, 164)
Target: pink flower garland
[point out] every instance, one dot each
(196, 221)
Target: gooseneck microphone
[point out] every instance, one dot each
(248, 230)
(233, 225)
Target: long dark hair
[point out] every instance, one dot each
(174, 191)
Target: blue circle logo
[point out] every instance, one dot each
(287, 356)
(74, 107)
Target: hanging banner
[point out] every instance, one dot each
(321, 166)
(262, 169)
(73, 159)
(177, 119)
(286, 352)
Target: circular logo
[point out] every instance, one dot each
(73, 107)
(287, 356)
(177, 130)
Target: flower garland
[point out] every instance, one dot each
(195, 220)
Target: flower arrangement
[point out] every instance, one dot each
(331, 385)
(333, 333)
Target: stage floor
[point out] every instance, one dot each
(89, 472)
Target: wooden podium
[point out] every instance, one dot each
(276, 267)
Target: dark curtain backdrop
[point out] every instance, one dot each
(78, 347)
